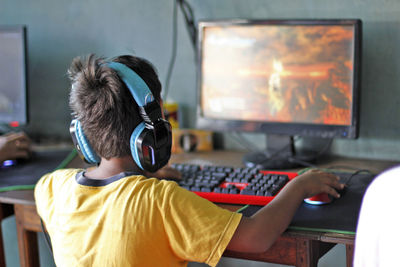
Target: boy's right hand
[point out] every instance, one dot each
(314, 182)
(166, 172)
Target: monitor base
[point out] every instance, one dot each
(266, 161)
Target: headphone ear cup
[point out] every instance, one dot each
(134, 148)
(146, 153)
(84, 146)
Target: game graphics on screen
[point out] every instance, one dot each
(278, 73)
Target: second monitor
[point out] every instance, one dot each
(13, 76)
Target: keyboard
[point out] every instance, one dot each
(224, 184)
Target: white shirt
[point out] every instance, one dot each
(378, 230)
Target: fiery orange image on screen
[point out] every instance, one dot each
(278, 73)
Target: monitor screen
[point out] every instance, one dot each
(13, 82)
(285, 77)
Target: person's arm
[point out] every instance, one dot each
(166, 172)
(259, 232)
(14, 145)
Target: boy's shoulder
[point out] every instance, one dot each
(61, 174)
(49, 180)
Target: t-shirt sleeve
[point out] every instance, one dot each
(197, 229)
(41, 194)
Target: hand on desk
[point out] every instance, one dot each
(14, 145)
(166, 172)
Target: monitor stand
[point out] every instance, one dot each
(280, 154)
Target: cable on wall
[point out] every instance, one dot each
(174, 48)
(192, 30)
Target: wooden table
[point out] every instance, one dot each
(294, 247)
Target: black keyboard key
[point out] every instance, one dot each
(218, 175)
(274, 190)
(225, 190)
(217, 190)
(260, 193)
(248, 192)
(284, 178)
(228, 169)
(206, 189)
(268, 193)
(195, 188)
(238, 170)
(234, 191)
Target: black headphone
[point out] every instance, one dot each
(150, 141)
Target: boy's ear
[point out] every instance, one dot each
(81, 143)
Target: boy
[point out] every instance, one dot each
(113, 215)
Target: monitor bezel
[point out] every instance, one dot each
(21, 29)
(294, 129)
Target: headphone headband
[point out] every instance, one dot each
(138, 88)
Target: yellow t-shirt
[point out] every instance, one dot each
(130, 220)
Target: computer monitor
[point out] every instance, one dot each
(284, 78)
(13, 76)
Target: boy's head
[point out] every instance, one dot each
(104, 105)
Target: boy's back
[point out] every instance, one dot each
(106, 216)
(130, 220)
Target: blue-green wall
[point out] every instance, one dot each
(60, 30)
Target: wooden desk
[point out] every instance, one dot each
(294, 247)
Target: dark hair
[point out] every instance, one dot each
(103, 104)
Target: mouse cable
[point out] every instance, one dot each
(335, 169)
(355, 173)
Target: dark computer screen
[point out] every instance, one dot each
(284, 77)
(13, 81)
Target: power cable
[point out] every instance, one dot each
(174, 48)
(192, 30)
(189, 19)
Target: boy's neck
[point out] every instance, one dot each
(113, 166)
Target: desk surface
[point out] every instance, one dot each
(231, 158)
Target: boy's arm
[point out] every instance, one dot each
(259, 232)
(166, 172)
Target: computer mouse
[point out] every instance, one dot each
(320, 199)
(324, 198)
